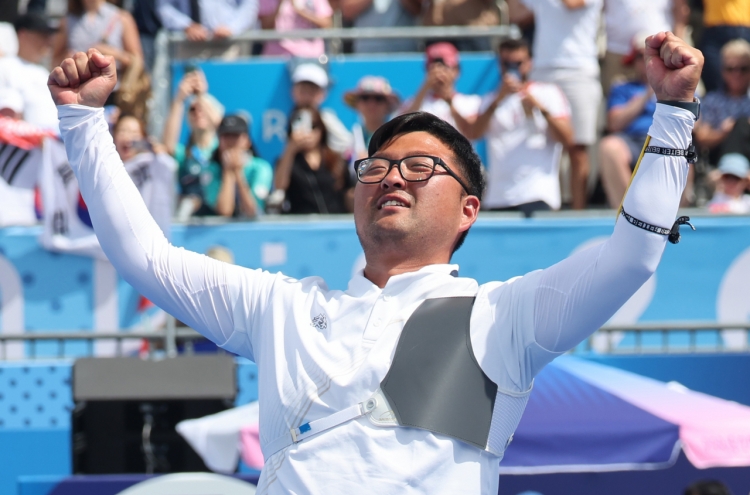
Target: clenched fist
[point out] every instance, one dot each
(84, 79)
(673, 67)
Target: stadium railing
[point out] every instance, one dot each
(670, 337)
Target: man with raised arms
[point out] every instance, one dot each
(413, 379)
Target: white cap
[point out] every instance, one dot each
(311, 73)
(11, 99)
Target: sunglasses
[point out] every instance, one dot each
(742, 69)
(375, 98)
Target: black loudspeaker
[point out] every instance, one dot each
(127, 408)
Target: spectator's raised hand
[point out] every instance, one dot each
(85, 79)
(529, 103)
(509, 85)
(233, 159)
(673, 67)
(192, 83)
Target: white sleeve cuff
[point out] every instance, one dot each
(672, 127)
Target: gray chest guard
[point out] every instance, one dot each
(434, 381)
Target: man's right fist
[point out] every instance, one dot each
(85, 79)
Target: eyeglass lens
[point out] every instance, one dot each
(413, 168)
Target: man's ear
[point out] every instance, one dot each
(470, 210)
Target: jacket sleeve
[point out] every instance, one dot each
(219, 300)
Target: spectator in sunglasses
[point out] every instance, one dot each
(374, 100)
(724, 113)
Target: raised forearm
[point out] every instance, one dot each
(579, 294)
(284, 168)
(173, 125)
(248, 206)
(225, 201)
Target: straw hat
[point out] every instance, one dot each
(372, 85)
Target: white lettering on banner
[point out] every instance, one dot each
(272, 253)
(732, 301)
(274, 125)
(11, 307)
(630, 312)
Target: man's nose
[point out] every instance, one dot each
(393, 179)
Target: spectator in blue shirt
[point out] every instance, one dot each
(725, 112)
(630, 110)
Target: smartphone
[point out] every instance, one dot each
(142, 145)
(303, 122)
(188, 68)
(514, 70)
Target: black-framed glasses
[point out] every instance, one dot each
(418, 168)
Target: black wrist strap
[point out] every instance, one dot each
(690, 155)
(673, 234)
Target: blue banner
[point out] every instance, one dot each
(705, 277)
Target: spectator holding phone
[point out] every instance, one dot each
(526, 125)
(309, 89)
(193, 156)
(313, 177)
(438, 94)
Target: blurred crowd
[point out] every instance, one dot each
(563, 129)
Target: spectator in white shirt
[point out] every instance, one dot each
(25, 74)
(526, 125)
(438, 94)
(565, 53)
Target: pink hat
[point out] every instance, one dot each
(372, 85)
(444, 51)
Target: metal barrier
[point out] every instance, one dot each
(658, 337)
(647, 338)
(165, 340)
(337, 34)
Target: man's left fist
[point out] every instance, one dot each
(673, 67)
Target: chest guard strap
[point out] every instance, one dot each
(434, 382)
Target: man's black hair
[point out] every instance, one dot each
(463, 152)
(512, 45)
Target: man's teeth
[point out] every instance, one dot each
(392, 202)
